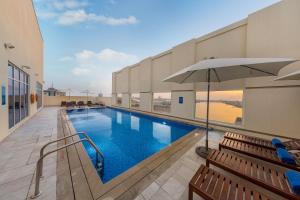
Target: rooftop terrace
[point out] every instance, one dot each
(67, 176)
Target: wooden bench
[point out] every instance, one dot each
(264, 154)
(270, 178)
(291, 145)
(212, 185)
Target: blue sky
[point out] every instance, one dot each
(86, 40)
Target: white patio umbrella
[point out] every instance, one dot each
(292, 76)
(225, 69)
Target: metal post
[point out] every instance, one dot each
(203, 151)
(54, 141)
(207, 108)
(39, 168)
(37, 191)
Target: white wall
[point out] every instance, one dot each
(273, 110)
(146, 102)
(122, 81)
(183, 55)
(187, 108)
(125, 100)
(135, 79)
(161, 68)
(145, 75)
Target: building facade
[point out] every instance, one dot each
(260, 104)
(54, 92)
(21, 64)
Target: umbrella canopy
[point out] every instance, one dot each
(225, 69)
(292, 76)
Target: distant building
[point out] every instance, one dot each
(100, 95)
(54, 92)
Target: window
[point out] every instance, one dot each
(135, 100)
(225, 106)
(18, 82)
(162, 102)
(39, 93)
(119, 99)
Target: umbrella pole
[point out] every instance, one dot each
(204, 151)
(207, 109)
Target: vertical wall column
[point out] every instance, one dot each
(183, 104)
(146, 101)
(126, 100)
(113, 99)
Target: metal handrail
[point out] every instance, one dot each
(54, 141)
(37, 191)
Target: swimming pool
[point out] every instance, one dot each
(125, 138)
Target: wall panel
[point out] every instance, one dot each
(186, 109)
(135, 79)
(145, 74)
(146, 102)
(161, 69)
(183, 56)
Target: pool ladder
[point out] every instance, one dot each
(99, 163)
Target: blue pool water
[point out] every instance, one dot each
(125, 138)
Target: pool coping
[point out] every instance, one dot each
(124, 182)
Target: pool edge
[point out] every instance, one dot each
(125, 181)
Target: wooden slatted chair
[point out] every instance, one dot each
(270, 178)
(265, 154)
(290, 145)
(212, 185)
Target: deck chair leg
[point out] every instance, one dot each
(190, 193)
(220, 148)
(207, 163)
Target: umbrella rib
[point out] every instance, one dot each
(187, 77)
(217, 75)
(258, 70)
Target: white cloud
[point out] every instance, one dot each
(70, 12)
(95, 68)
(68, 4)
(78, 16)
(66, 58)
(46, 14)
(81, 71)
(106, 56)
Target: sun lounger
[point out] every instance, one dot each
(69, 104)
(80, 104)
(212, 185)
(63, 104)
(262, 153)
(290, 145)
(271, 178)
(90, 103)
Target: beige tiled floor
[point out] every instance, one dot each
(19, 153)
(173, 183)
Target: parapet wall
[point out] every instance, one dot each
(56, 100)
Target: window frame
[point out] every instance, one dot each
(216, 121)
(153, 101)
(138, 107)
(23, 83)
